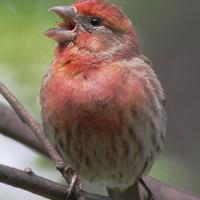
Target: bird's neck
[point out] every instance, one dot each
(74, 58)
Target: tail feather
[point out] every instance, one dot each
(130, 193)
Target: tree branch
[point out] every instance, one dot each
(32, 123)
(39, 185)
(55, 191)
(46, 188)
(11, 126)
(70, 175)
(164, 191)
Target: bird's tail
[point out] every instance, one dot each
(129, 194)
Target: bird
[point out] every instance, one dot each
(102, 104)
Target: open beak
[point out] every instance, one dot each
(67, 29)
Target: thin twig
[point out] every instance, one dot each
(11, 126)
(67, 172)
(32, 123)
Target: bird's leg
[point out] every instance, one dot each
(148, 190)
(75, 184)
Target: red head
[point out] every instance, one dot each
(98, 27)
(111, 15)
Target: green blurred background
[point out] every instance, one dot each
(169, 32)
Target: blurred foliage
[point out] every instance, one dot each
(25, 55)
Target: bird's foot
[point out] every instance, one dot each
(152, 197)
(148, 190)
(74, 187)
(75, 184)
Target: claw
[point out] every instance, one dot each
(150, 194)
(73, 187)
(75, 184)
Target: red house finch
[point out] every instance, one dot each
(102, 103)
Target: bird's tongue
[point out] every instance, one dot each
(67, 29)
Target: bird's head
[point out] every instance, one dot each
(95, 26)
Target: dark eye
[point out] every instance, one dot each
(95, 21)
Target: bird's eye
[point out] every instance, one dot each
(95, 21)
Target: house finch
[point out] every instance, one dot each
(102, 104)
